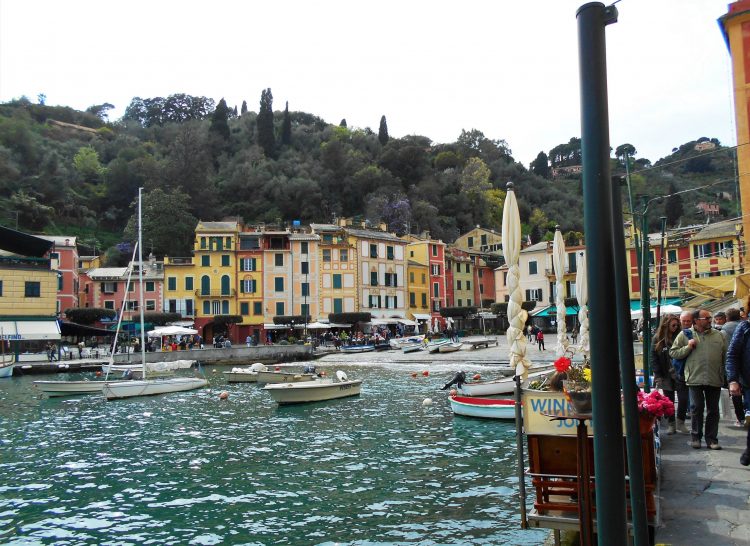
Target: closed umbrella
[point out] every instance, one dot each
(516, 314)
(558, 260)
(583, 299)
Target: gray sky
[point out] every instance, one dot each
(506, 67)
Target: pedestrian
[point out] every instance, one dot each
(704, 375)
(248, 341)
(530, 333)
(540, 340)
(665, 376)
(741, 409)
(738, 373)
(81, 347)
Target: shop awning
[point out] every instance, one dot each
(27, 330)
(421, 316)
(276, 326)
(551, 311)
(406, 322)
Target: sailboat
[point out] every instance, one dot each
(6, 360)
(145, 386)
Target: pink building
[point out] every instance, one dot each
(64, 260)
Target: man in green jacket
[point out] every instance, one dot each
(704, 375)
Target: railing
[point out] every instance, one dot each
(178, 261)
(22, 262)
(215, 293)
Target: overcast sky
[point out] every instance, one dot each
(506, 67)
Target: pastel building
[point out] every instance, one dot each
(179, 286)
(250, 285)
(459, 278)
(431, 253)
(278, 293)
(338, 275)
(305, 281)
(64, 261)
(419, 292)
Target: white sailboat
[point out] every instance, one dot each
(6, 361)
(145, 386)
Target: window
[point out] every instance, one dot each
(203, 242)
(484, 240)
(189, 308)
(373, 251)
(389, 252)
(171, 306)
(306, 288)
(248, 264)
(725, 249)
(673, 283)
(248, 286)
(225, 260)
(458, 285)
(336, 280)
(471, 242)
(278, 283)
(224, 307)
(338, 305)
(257, 308)
(205, 285)
(149, 286)
(460, 301)
(131, 305)
(326, 254)
(304, 309)
(303, 247)
(109, 287)
(206, 260)
(32, 289)
(534, 294)
(328, 239)
(225, 285)
(424, 278)
(150, 305)
(412, 299)
(411, 276)
(304, 268)
(375, 302)
(481, 289)
(570, 286)
(373, 278)
(468, 270)
(228, 243)
(131, 287)
(1, 288)
(249, 243)
(388, 279)
(468, 302)
(532, 269)
(206, 307)
(344, 255)
(109, 304)
(188, 283)
(279, 308)
(411, 254)
(672, 256)
(278, 260)
(435, 270)
(434, 250)
(480, 272)
(59, 281)
(435, 290)
(244, 308)
(424, 300)
(468, 286)
(572, 268)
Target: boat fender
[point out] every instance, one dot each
(322, 374)
(453, 392)
(341, 376)
(98, 374)
(425, 373)
(476, 377)
(277, 369)
(224, 395)
(427, 402)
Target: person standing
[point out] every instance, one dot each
(740, 406)
(704, 375)
(738, 373)
(249, 341)
(665, 376)
(540, 340)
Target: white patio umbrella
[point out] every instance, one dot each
(558, 260)
(516, 314)
(583, 299)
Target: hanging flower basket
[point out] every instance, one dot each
(578, 394)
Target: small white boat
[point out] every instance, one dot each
(149, 387)
(434, 346)
(450, 347)
(358, 348)
(6, 364)
(269, 376)
(401, 342)
(71, 388)
(152, 368)
(480, 342)
(506, 385)
(487, 408)
(245, 375)
(411, 348)
(315, 391)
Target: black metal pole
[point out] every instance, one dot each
(660, 273)
(627, 375)
(609, 463)
(646, 296)
(519, 456)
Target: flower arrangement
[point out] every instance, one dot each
(655, 404)
(579, 374)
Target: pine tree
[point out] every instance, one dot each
(383, 131)
(673, 208)
(243, 110)
(540, 166)
(342, 123)
(286, 127)
(266, 138)
(218, 131)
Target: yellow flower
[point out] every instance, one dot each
(587, 374)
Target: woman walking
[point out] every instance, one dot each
(665, 376)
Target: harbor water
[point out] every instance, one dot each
(189, 468)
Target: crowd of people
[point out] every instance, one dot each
(694, 356)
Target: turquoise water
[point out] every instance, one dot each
(188, 468)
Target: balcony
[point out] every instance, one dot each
(216, 293)
(178, 261)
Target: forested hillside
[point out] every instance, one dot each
(64, 171)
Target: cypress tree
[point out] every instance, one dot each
(383, 131)
(343, 123)
(243, 110)
(286, 127)
(266, 138)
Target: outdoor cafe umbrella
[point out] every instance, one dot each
(516, 314)
(558, 260)
(583, 299)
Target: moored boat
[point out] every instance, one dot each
(6, 364)
(450, 347)
(411, 348)
(487, 408)
(270, 376)
(245, 375)
(71, 388)
(358, 348)
(506, 385)
(401, 342)
(434, 346)
(314, 391)
(149, 387)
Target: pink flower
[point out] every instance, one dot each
(655, 404)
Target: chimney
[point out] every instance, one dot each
(383, 226)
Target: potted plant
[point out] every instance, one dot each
(575, 380)
(652, 406)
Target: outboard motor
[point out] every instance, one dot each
(309, 368)
(458, 380)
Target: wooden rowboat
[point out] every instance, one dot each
(487, 408)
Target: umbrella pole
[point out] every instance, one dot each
(519, 455)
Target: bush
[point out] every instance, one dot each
(283, 342)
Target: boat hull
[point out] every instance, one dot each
(358, 348)
(434, 346)
(285, 377)
(71, 388)
(149, 387)
(314, 391)
(241, 377)
(485, 408)
(450, 347)
(506, 385)
(412, 348)
(6, 371)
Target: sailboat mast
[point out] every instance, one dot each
(140, 283)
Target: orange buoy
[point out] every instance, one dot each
(98, 374)
(414, 374)
(425, 373)
(224, 395)
(277, 369)
(477, 377)
(323, 373)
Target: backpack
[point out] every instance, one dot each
(679, 363)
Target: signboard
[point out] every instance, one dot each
(538, 405)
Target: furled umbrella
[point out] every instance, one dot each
(558, 261)
(516, 314)
(583, 298)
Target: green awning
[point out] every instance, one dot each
(635, 305)
(551, 311)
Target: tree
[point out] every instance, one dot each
(243, 109)
(540, 166)
(286, 127)
(383, 131)
(623, 149)
(673, 209)
(173, 237)
(160, 319)
(475, 178)
(89, 315)
(218, 131)
(264, 121)
(86, 162)
(342, 123)
(101, 110)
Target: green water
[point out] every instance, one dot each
(187, 468)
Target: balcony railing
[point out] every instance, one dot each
(215, 293)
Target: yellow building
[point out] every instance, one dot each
(305, 258)
(215, 268)
(460, 276)
(278, 294)
(250, 285)
(480, 240)
(736, 28)
(418, 307)
(179, 286)
(338, 280)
